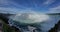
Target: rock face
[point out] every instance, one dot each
(1, 25)
(4, 27)
(5, 17)
(56, 28)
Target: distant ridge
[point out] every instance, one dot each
(53, 13)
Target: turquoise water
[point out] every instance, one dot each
(43, 26)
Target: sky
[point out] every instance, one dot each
(41, 6)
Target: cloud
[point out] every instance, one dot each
(54, 10)
(30, 17)
(9, 6)
(9, 10)
(15, 10)
(47, 2)
(10, 3)
(4, 2)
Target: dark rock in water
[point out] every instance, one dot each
(16, 29)
(24, 27)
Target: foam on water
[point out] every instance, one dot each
(30, 17)
(45, 21)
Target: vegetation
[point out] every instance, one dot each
(7, 28)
